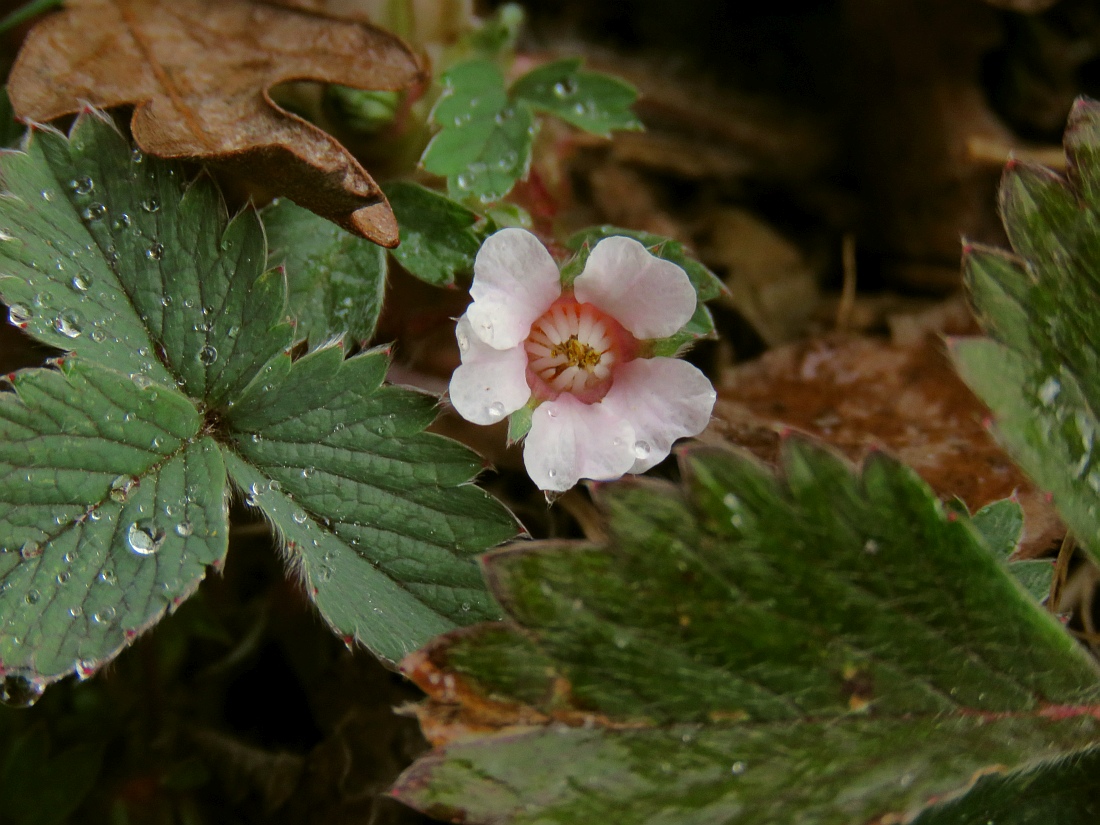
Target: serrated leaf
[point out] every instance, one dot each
(1039, 375)
(113, 505)
(379, 514)
(1064, 792)
(335, 280)
(592, 101)
(113, 480)
(823, 647)
(438, 236)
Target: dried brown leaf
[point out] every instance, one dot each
(862, 394)
(199, 73)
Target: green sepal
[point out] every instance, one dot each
(519, 424)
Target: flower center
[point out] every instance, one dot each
(574, 348)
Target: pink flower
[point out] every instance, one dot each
(601, 409)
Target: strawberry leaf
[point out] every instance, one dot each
(823, 647)
(116, 464)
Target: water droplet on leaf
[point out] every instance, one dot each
(144, 537)
(82, 186)
(68, 324)
(20, 691)
(18, 314)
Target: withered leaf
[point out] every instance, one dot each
(199, 73)
(859, 394)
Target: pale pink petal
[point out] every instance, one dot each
(491, 383)
(570, 440)
(650, 296)
(515, 281)
(664, 399)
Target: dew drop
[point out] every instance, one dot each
(155, 252)
(67, 324)
(307, 472)
(496, 410)
(76, 611)
(84, 669)
(121, 487)
(298, 516)
(642, 449)
(565, 88)
(552, 473)
(82, 186)
(20, 691)
(144, 537)
(63, 577)
(18, 314)
(136, 156)
(80, 283)
(184, 529)
(98, 335)
(30, 550)
(142, 380)
(123, 221)
(464, 181)
(32, 597)
(105, 615)
(95, 212)
(208, 355)
(151, 204)
(107, 576)
(738, 768)
(274, 486)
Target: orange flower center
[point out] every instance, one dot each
(575, 348)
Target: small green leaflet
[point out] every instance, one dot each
(439, 237)
(1040, 371)
(484, 143)
(1002, 526)
(335, 280)
(823, 646)
(708, 286)
(117, 464)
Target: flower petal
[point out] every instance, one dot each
(515, 281)
(664, 399)
(570, 440)
(650, 296)
(490, 383)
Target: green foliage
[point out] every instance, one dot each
(821, 647)
(335, 280)
(37, 788)
(1040, 371)
(486, 131)
(11, 131)
(1002, 526)
(439, 237)
(116, 464)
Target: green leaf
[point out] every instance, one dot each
(1039, 374)
(381, 519)
(592, 101)
(11, 131)
(1001, 524)
(820, 647)
(335, 280)
(113, 464)
(39, 789)
(484, 145)
(1059, 793)
(439, 238)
